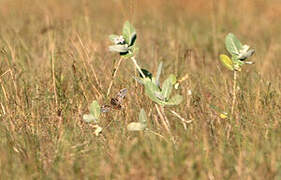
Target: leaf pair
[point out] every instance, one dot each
(94, 113)
(141, 125)
(157, 94)
(238, 52)
(125, 43)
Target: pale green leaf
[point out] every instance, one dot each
(142, 117)
(233, 45)
(136, 126)
(128, 31)
(119, 48)
(89, 118)
(167, 86)
(151, 90)
(95, 109)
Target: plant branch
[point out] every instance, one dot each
(116, 67)
(234, 92)
(137, 66)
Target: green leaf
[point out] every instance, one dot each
(141, 125)
(95, 109)
(89, 118)
(175, 100)
(128, 31)
(227, 62)
(142, 117)
(112, 37)
(136, 126)
(151, 90)
(233, 45)
(121, 48)
(168, 86)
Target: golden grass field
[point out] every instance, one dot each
(54, 62)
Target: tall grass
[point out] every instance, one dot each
(54, 62)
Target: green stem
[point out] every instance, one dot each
(116, 67)
(234, 92)
(137, 66)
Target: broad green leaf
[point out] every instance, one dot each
(175, 100)
(136, 126)
(150, 85)
(112, 37)
(151, 90)
(95, 109)
(89, 118)
(227, 62)
(119, 48)
(128, 31)
(167, 86)
(142, 117)
(157, 79)
(233, 45)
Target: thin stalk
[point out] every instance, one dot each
(184, 121)
(54, 78)
(234, 92)
(137, 66)
(157, 134)
(116, 67)
(161, 115)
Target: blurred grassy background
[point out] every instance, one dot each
(54, 62)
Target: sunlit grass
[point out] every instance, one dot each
(54, 62)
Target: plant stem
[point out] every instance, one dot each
(157, 134)
(116, 67)
(137, 66)
(234, 92)
(161, 115)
